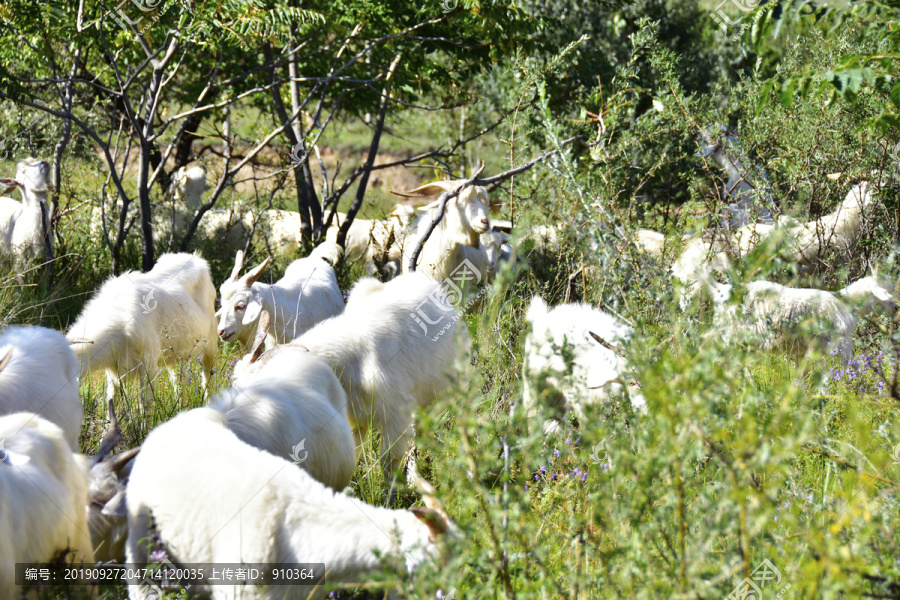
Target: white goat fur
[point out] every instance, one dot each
(805, 243)
(41, 377)
(839, 230)
(231, 502)
(497, 249)
(394, 349)
(465, 219)
(295, 397)
(44, 493)
(307, 294)
(794, 320)
(693, 265)
(595, 372)
(369, 237)
(22, 223)
(137, 321)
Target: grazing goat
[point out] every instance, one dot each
(227, 225)
(22, 225)
(839, 230)
(40, 375)
(806, 243)
(465, 219)
(293, 407)
(693, 265)
(795, 320)
(497, 249)
(222, 500)
(571, 360)
(137, 321)
(307, 294)
(44, 492)
(374, 238)
(394, 349)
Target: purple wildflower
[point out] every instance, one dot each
(158, 556)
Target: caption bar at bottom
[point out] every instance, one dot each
(189, 573)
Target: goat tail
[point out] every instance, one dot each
(327, 251)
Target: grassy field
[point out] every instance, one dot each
(746, 467)
(742, 456)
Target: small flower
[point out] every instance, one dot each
(583, 476)
(556, 453)
(158, 556)
(809, 498)
(526, 487)
(568, 441)
(543, 470)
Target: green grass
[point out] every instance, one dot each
(742, 456)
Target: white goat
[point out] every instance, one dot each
(307, 294)
(794, 320)
(22, 225)
(465, 219)
(374, 238)
(137, 321)
(222, 500)
(546, 237)
(394, 349)
(41, 376)
(588, 337)
(497, 249)
(227, 225)
(44, 493)
(839, 230)
(805, 243)
(693, 265)
(293, 407)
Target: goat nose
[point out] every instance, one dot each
(221, 332)
(484, 222)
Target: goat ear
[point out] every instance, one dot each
(238, 265)
(9, 183)
(262, 331)
(116, 506)
(256, 272)
(437, 522)
(218, 314)
(252, 312)
(427, 207)
(430, 189)
(5, 360)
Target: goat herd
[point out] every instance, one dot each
(257, 475)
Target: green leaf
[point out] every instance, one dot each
(895, 94)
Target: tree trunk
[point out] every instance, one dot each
(298, 149)
(185, 144)
(147, 258)
(370, 160)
